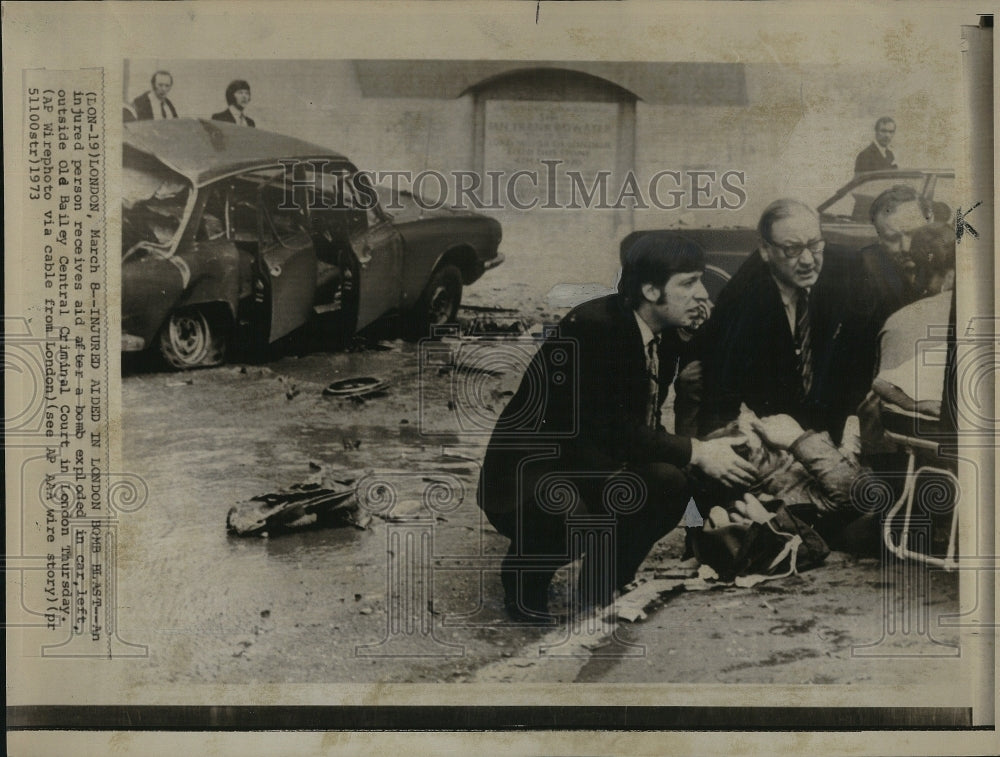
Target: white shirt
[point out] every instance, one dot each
(882, 149)
(157, 106)
(653, 366)
(238, 116)
(914, 347)
(645, 330)
(789, 298)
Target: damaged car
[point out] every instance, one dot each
(234, 235)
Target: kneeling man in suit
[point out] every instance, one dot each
(582, 438)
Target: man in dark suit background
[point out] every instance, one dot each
(153, 104)
(237, 98)
(784, 336)
(585, 422)
(885, 278)
(877, 156)
(889, 270)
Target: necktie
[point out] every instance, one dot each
(163, 108)
(653, 367)
(243, 121)
(803, 340)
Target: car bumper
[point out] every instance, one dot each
(493, 262)
(132, 343)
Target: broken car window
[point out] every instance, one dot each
(154, 200)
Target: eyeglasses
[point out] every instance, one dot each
(792, 251)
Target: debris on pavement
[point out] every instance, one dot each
(486, 327)
(707, 573)
(357, 387)
(631, 606)
(487, 308)
(302, 505)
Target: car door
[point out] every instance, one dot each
(287, 262)
(378, 247)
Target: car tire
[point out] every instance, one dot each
(438, 305)
(192, 338)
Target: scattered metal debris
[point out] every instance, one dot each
(494, 327)
(487, 309)
(301, 506)
(357, 387)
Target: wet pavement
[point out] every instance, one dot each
(324, 605)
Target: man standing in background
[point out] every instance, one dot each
(237, 98)
(153, 105)
(877, 156)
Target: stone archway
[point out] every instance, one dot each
(556, 122)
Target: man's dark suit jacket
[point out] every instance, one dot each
(879, 291)
(227, 115)
(144, 108)
(748, 351)
(870, 159)
(586, 392)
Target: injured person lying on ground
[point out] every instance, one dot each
(821, 483)
(804, 471)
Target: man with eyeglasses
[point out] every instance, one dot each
(877, 156)
(782, 338)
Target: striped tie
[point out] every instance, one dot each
(653, 366)
(803, 340)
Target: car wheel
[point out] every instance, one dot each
(192, 338)
(439, 303)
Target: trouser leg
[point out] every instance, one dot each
(635, 532)
(540, 540)
(538, 548)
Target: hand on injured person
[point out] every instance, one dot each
(780, 431)
(795, 465)
(717, 459)
(749, 509)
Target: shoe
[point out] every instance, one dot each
(525, 600)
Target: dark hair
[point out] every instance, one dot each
(152, 79)
(653, 258)
(776, 211)
(233, 88)
(893, 197)
(933, 247)
(884, 120)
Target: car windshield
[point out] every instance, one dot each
(154, 199)
(944, 198)
(854, 205)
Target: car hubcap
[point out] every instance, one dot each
(441, 304)
(189, 337)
